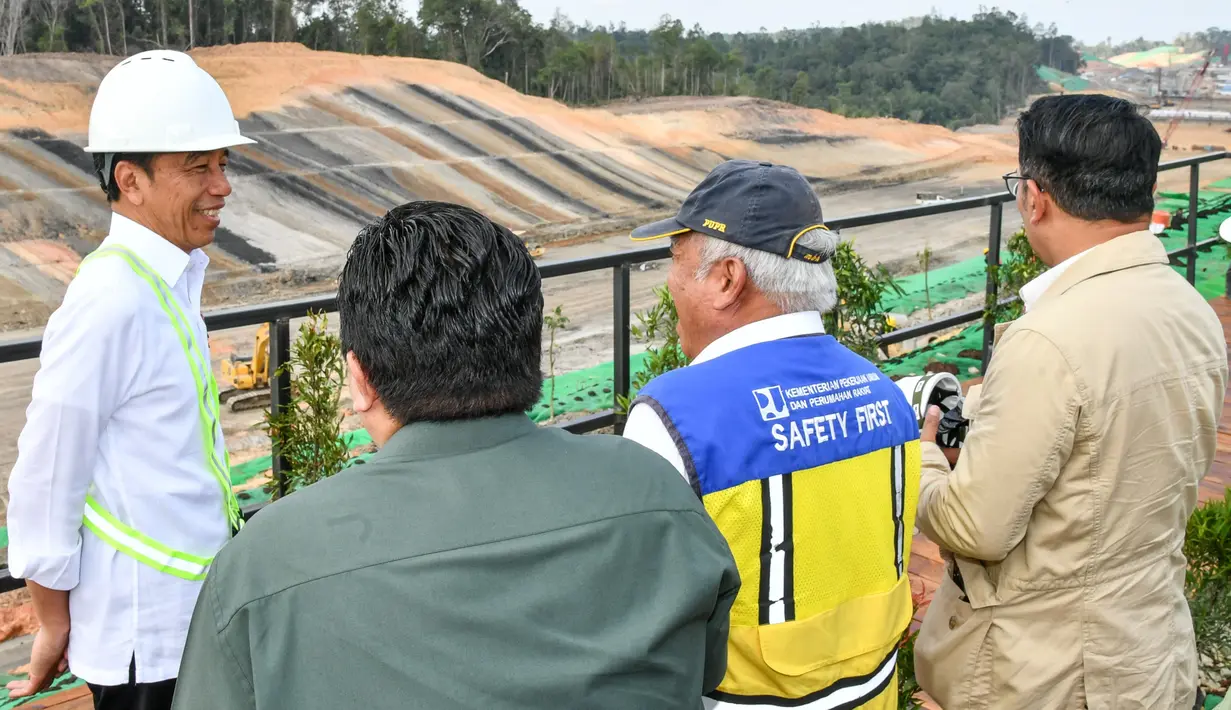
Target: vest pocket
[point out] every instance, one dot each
(870, 624)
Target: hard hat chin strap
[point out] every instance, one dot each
(108, 161)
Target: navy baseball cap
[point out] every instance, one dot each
(753, 204)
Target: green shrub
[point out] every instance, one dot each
(658, 323)
(1019, 268)
(908, 687)
(309, 432)
(858, 320)
(1207, 544)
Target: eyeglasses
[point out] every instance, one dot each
(1013, 181)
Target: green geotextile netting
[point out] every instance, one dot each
(1207, 201)
(958, 280)
(588, 390)
(945, 284)
(1068, 81)
(1223, 184)
(66, 681)
(964, 351)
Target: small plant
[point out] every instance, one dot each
(925, 260)
(857, 321)
(1020, 267)
(659, 321)
(308, 432)
(554, 321)
(1207, 543)
(1207, 546)
(908, 687)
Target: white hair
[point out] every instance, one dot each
(790, 284)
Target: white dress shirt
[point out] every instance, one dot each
(1037, 286)
(114, 404)
(644, 425)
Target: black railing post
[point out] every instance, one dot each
(620, 310)
(1194, 182)
(279, 390)
(992, 297)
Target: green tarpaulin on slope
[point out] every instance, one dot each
(1068, 81)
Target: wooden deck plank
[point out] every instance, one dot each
(78, 698)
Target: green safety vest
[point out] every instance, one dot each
(102, 522)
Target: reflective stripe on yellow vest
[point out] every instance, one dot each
(807, 458)
(102, 522)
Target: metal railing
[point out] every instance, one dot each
(279, 314)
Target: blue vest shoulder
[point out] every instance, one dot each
(778, 407)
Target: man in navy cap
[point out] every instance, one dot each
(804, 454)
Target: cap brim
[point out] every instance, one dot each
(657, 230)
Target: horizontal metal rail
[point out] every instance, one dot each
(279, 313)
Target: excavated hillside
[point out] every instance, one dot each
(343, 138)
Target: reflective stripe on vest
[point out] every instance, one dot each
(141, 547)
(807, 458)
(104, 524)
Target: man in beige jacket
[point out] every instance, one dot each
(1063, 519)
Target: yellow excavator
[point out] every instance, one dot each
(248, 377)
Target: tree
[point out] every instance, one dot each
(309, 432)
(554, 321)
(12, 20)
(470, 29)
(799, 91)
(933, 70)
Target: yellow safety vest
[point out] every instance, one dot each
(104, 523)
(807, 458)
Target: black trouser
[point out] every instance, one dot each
(134, 695)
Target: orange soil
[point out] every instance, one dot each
(267, 77)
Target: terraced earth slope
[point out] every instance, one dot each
(343, 138)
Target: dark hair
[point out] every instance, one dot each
(1095, 155)
(444, 311)
(145, 161)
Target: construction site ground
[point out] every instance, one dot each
(926, 571)
(342, 138)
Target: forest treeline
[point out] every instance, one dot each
(929, 69)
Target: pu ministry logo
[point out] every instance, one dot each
(771, 403)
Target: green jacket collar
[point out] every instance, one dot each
(425, 440)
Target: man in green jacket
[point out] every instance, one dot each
(476, 560)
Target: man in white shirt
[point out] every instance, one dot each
(121, 493)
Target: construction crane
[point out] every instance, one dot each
(1188, 97)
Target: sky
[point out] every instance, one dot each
(1089, 21)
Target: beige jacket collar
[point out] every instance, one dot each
(1124, 252)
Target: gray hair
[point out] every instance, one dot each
(790, 284)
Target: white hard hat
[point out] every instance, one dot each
(160, 101)
(1224, 231)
